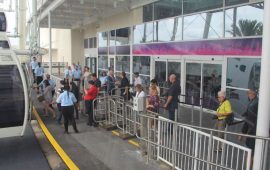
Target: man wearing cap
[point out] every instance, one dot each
(90, 95)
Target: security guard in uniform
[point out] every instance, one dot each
(67, 100)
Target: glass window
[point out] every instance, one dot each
(11, 96)
(167, 8)
(95, 42)
(103, 39)
(235, 2)
(112, 38)
(148, 12)
(168, 30)
(191, 6)
(160, 71)
(103, 62)
(90, 43)
(143, 33)
(118, 76)
(123, 63)
(239, 22)
(85, 43)
(243, 73)
(203, 26)
(238, 100)
(122, 36)
(141, 64)
(193, 83)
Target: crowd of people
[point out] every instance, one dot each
(81, 85)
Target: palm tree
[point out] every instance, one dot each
(247, 28)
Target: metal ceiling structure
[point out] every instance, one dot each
(72, 14)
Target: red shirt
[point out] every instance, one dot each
(91, 93)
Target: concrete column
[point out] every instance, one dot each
(263, 119)
(22, 24)
(50, 42)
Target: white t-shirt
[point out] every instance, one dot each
(140, 94)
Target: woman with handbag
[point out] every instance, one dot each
(67, 100)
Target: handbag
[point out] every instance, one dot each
(41, 98)
(229, 119)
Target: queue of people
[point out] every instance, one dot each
(89, 84)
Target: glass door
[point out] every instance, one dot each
(93, 65)
(111, 63)
(211, 85)
(203, 81)
(160, 72)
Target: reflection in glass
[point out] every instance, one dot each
(111, 64)
(175, 68)
(148, 12)
(122, 63)
(193, 83)
(122, 36)
(191, 6)
(112, 38)
(143, 33)
(167, 8)
(160, 72)
(203, 26)
(238, 100)
(102, 39)
(168, 30)
(103, 62)
(141, 64)
(239, 22)
(235, 2)
(243, 72)
(211, 85)
(11, 97)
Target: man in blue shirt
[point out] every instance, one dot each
(76, 76)
(34, 64)
(39, 71)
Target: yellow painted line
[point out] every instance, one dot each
(115, 133)
(132, 142)
(70, 164)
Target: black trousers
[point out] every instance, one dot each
(89, 111)
(67, 112)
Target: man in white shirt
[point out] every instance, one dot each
(137, 79)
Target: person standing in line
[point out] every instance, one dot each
(39, 71)
(90, 95)
(75, 91)
(250, 120)
(152, 102)
(110, 83)
(60, 91)
(67, 100)
(137, 79)
(96, 80)
(34, 64)
(154, 82)
(84, 78)
(48, 98)
(172, 97)
(124, 85)
(76, 76)
(103, 79)
(224, 110)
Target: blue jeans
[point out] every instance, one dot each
(171, 110)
